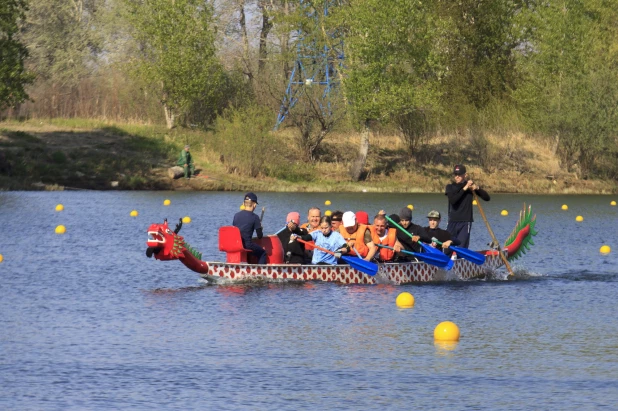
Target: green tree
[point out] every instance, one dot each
(176, 55)
(13, 75)
(481, 39)
(64, 38)
(393, 64)
(570, 65)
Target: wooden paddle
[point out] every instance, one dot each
(359, 264)
(493, 237)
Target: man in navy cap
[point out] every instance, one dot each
(460, 194)
(247, 221)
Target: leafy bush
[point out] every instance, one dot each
(243, 138)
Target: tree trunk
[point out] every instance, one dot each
(285, 39)
(359, 165)
(170, 116)
(266, 26)
(245, 42)
(175, 172)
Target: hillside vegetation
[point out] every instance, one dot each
(86, 154)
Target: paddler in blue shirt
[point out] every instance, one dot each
(247, 222)
(326, 238)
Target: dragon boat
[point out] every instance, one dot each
(165, 245)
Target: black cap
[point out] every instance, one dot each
(459, 170)
(395, 218)
(252, 197)
(405, 214)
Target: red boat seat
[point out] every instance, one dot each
(273, 247)
(231, 243)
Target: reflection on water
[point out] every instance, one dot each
(88, 322)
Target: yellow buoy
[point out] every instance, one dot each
(134, 213)
(613, 203)
(411, 207)
(328, 213)
(59, 207)
(186, 219)
(446, 331)
(242, 206)
(504, 212)
(166, 202)
(579, 219)
(1, 258)
(405, 300)
(61, 229)
(473, 202)
(605, 249)
(327, 202)
(565, 207)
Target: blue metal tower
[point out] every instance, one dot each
(316, 65)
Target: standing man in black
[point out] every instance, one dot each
(247, 221)
(460, 196)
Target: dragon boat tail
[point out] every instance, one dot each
(165, 245)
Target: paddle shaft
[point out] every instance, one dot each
(407, 232)
(315, 246)
(262, 215)
(493, 236)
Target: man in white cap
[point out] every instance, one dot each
(186, 162)
(358, 236)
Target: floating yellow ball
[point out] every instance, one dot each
(59, 207)
(613, 203)
(134, 213)
(61, 229)
(504, 213)
(327, 202)
(186, 219)
(405, 300)
(410, 206)
(605, 249)
(1, 258)
(579, 218)
(446, 331)
(328, 213)
(473, 202)
(565, 207)
(242, 206)
(166, 202)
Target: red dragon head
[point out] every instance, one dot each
(164, 243)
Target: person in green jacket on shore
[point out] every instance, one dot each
(186, 162)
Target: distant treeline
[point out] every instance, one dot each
(418, 68)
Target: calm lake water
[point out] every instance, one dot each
(88, 322)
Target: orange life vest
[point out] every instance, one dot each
(359, 239)
(389, 240)
(306, 227)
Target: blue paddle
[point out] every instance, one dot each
(473, 256)
(357, 263)
(428, 249)
(439, 260)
